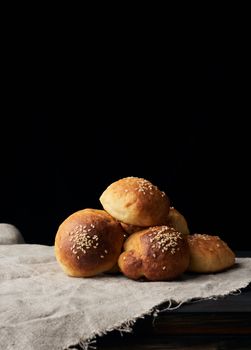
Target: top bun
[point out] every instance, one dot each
(136, 201)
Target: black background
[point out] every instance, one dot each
(77, 118)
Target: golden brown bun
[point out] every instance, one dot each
(158, 253)
(88, 242)
(176, 220)
(209, 254)
(136, 201)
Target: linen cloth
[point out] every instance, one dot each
(42, 308)
(9, 234)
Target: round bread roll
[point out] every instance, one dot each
(136, 201)
(157, 253)
(88, 242)
(209, 254)
(176, 220)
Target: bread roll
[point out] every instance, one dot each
(157, 253)
(129, 229)
(176, 220)
(88, 242)
(209, 254)
(136, 201)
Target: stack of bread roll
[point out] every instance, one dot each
(138, 234)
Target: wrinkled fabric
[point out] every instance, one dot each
(42, 308)
(9, 234)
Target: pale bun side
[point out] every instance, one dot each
(209, 254)
(88, 242)
(176, 220)
(136, 201)
(130, 229)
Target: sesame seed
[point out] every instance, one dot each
(102, 256)
(164, 267)
(165, 239)
(106, 252)
(154, 255)
(82, 239)
(77, 257)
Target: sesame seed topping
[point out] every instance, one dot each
(106, 252)
(102, 256)
(164, 267)
(202, 236)
(165, 239)
(154, 255)
(144, 186)
(82, 239)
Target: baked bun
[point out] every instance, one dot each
(176, 220)
(88, 242)
(157, 253)
(130, 229)
(209, 254)
(136, 201)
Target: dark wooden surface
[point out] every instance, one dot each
(189, 342)
(224, 323)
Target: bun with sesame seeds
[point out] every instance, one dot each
(176, 220)
(88, 243)
(136, 201)
(157, 253)
(209, 254)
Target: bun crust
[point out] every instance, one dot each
(88, 242)
(157, 253)
(136, 201)
(209, 254)
(130, 229)
(176, 220)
